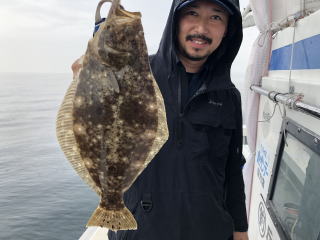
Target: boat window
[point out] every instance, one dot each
(295, 198)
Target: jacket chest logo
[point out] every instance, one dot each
(214, 103)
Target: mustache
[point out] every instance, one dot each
(200, 36)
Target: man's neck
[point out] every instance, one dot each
(192, 66)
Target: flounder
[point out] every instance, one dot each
(112, 121)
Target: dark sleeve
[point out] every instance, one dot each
(235, 194)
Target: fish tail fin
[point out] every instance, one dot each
(113, 219)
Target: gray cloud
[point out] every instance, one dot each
(46, 36)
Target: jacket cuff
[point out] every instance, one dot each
(240, 227)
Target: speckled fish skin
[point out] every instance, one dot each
(119, 119)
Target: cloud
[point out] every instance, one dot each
(42, 14)
(46, 36)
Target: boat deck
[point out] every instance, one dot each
(95, 233)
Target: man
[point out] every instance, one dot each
(193, 189)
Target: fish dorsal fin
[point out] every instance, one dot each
(66, 138)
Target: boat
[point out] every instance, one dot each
(282, 173)
(282, 117)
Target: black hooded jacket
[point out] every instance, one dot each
(193, 189)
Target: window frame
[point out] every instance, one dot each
(307, 138)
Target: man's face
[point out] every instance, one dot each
(202, 26)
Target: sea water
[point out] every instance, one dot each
(41, 196)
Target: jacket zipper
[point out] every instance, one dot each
(180, 98)
(197, 93)
(183, 108)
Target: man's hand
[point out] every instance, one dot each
(77, 65)
(240, 236)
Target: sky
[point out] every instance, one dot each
(47, 36)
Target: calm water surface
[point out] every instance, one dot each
(41, 196)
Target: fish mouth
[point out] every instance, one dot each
(116, 10)
(124, 13)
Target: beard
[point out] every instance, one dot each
(184, 52)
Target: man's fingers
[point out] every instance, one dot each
(240, 236)
(77, 65)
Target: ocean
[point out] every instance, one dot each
(41, 196)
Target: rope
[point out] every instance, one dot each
(291, 87)
(290, 102)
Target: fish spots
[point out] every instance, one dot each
(78, 102)
(134, 112)
(79, 129)
(118, 116)
(152, 153)
(137, 165)
(151, 107)
(150, 134)
(90, 131)
(114, 181)
(88, 162)
(75, 148)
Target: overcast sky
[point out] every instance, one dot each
(48, 35)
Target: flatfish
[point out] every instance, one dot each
(112, 121)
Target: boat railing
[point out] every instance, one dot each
(291, 100)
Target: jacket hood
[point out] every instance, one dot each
(220, 61)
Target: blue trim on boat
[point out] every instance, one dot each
(306, 55)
